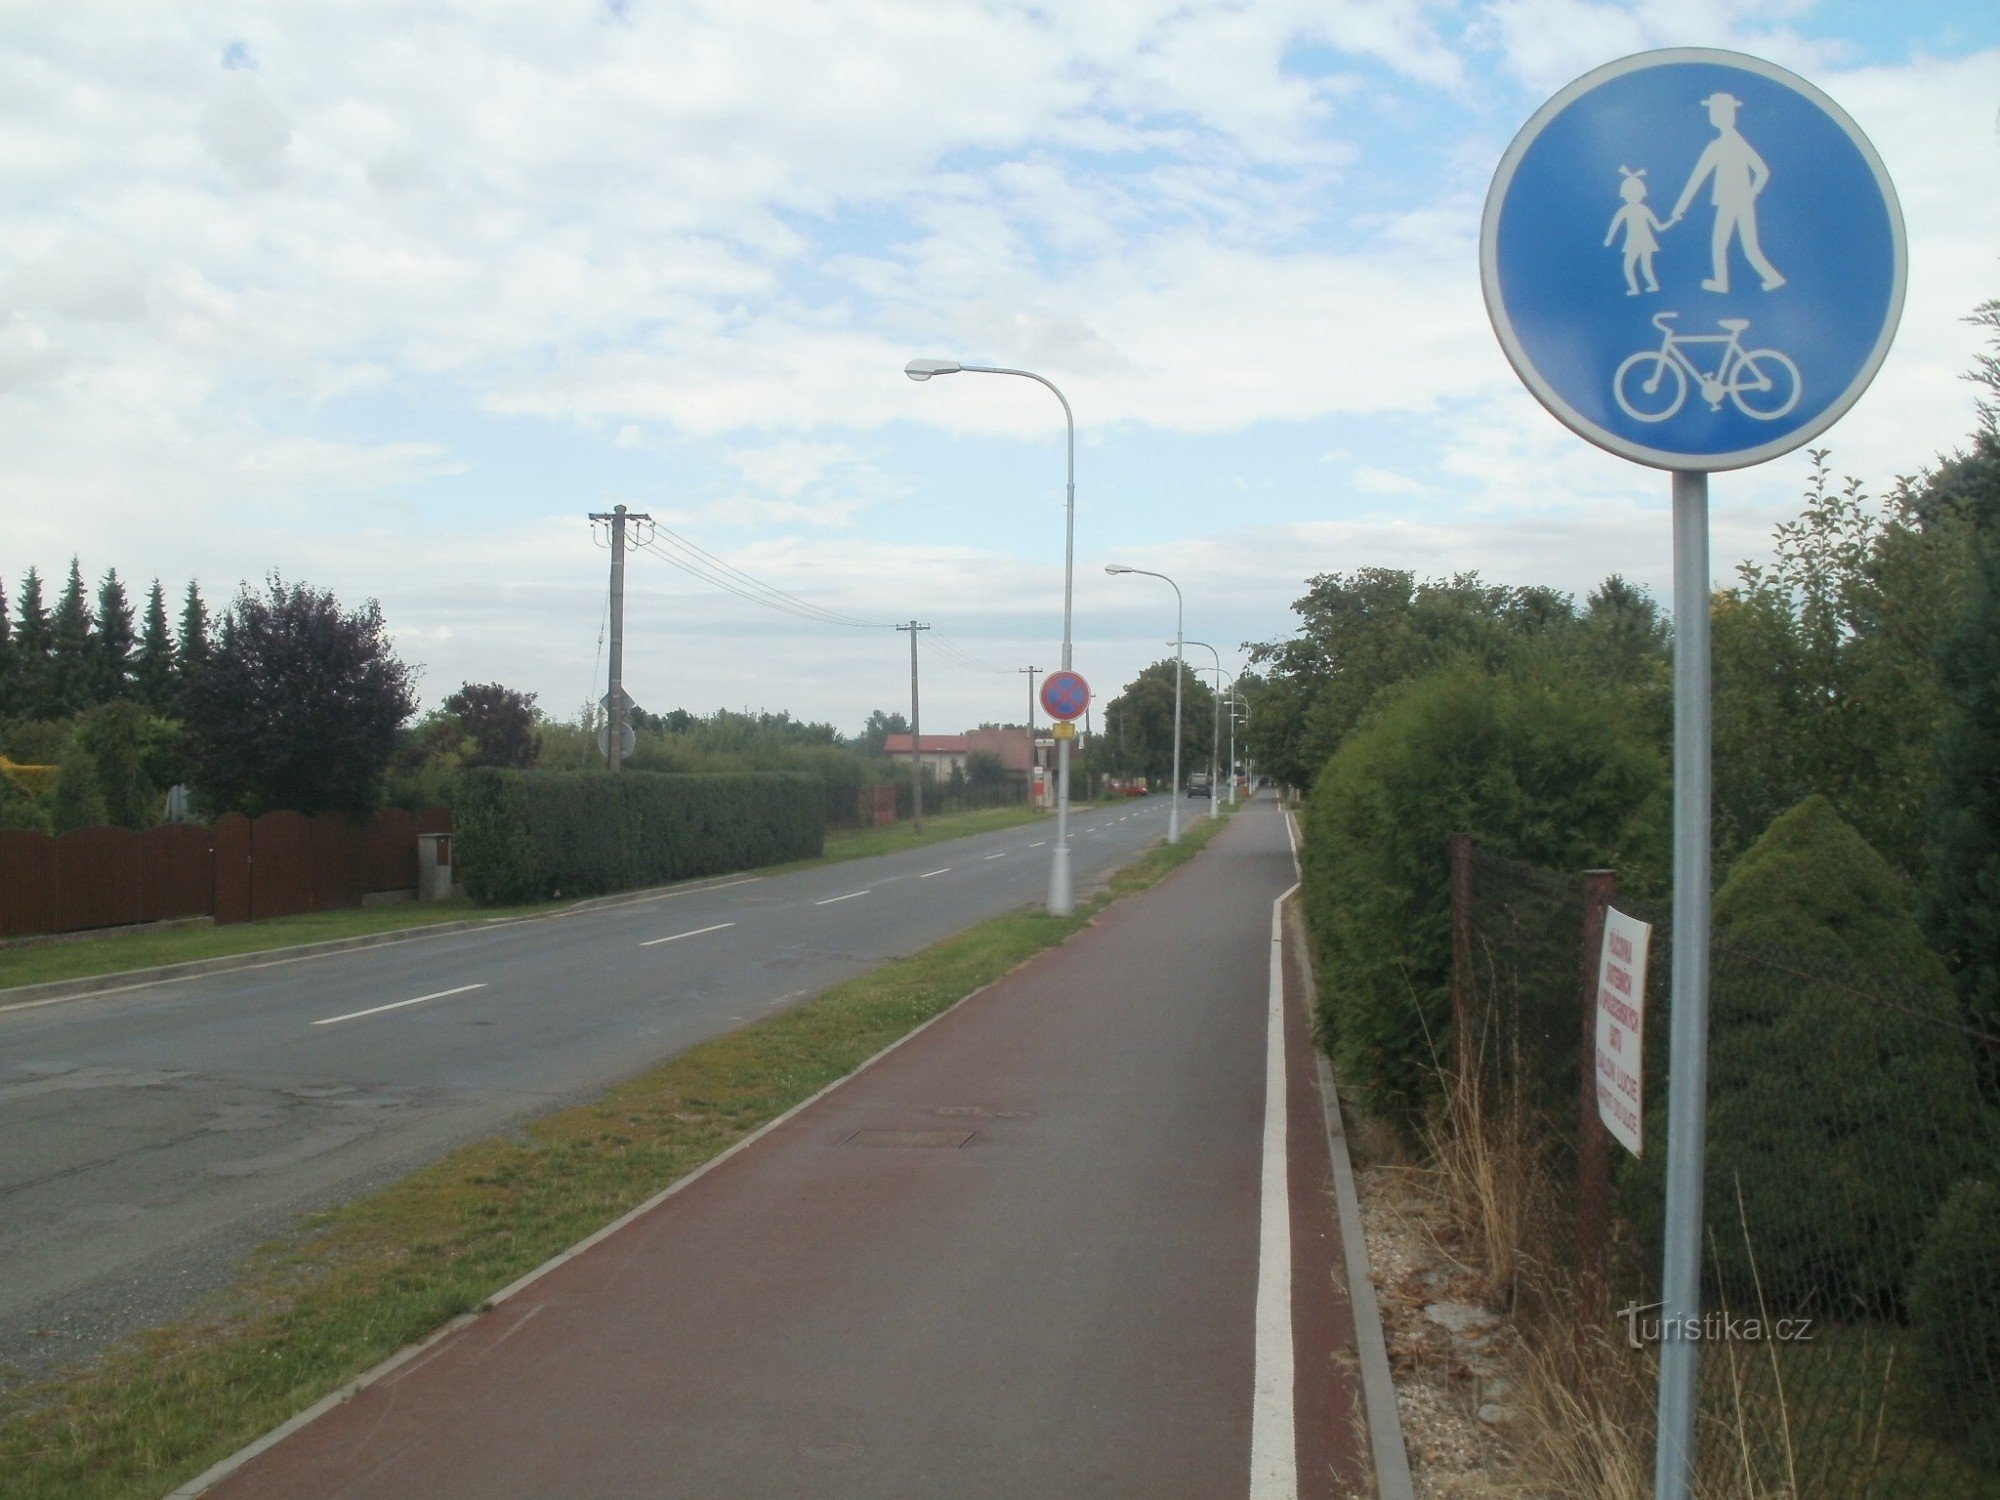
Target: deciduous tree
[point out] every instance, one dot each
(297, 704)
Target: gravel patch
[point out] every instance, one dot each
(1450, 1356)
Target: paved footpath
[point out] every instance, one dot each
(1019, 1256)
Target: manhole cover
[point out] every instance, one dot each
(941, 1140)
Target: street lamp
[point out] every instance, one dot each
(1214, 728)
(1174, 803)
(1062, 894)
(1236, 701)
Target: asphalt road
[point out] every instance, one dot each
(150, 1138)
(1055, 1245)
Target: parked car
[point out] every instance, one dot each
(1198, 784)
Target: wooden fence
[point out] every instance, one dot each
(237, 869)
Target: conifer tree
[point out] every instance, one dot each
(10, 687)
(192, 649)
(31, 647)
(70, 630)
(112, 643)
(153, 667)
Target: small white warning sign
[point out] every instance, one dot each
(1621, 1025)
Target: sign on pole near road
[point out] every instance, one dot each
(1693, 258)
(1065, 695)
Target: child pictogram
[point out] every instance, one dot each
(1640, 225)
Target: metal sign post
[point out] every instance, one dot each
(1693, 259)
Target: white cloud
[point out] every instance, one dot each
(297, 286)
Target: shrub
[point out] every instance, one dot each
(19, 809)
(494, 855)
(523, 835)
(1558, 775)
(1841, 1102)
(1955, 1321)
(77, 801)
(115, 736)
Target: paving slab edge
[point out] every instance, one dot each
(1378, 1385)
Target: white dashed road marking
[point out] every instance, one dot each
(655, 942)
(355, 1015)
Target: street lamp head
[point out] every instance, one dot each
(923, 369)
(1115, 568)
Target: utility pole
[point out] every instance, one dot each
(614, 700)
(1034, 755)
(916, 736)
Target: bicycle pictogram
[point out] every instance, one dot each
(1652, 384)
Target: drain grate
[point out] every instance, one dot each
(935, 1140)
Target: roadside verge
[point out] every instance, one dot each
(386, 1271)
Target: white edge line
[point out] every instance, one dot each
(655, 942)
(945, 871)
(830, 900)
(1274, 1446)
(225, 1467)
(355, 1015)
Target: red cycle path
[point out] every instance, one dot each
(1016, 1257)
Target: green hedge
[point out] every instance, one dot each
(1558, 775)
(1955, 1320)
(532, 835)
(1842, 1101)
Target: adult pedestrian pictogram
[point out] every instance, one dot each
(1065, 695)
(1729, 327)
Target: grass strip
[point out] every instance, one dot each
(86, 957)
(366, 1279)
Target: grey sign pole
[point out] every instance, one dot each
(1687, 1098)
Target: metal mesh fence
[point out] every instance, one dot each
(1851, 1292)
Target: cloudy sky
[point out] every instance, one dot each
(389, 296)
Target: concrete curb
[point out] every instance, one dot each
(30, 996)
(1378, 1384)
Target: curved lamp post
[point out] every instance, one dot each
(1062, 894)
(1174, 804)
(1214, 728)
(1236, 701)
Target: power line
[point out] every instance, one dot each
(705, 565)
(964, 657)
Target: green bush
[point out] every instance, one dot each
(78, 799)
(115, 734)
(19, 809)
(1557, 775)
(526, 835)
(493, 853)
(1955, 1322)
(1842, 1103)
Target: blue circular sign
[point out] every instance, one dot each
(1693, 258)
(1065, 695)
